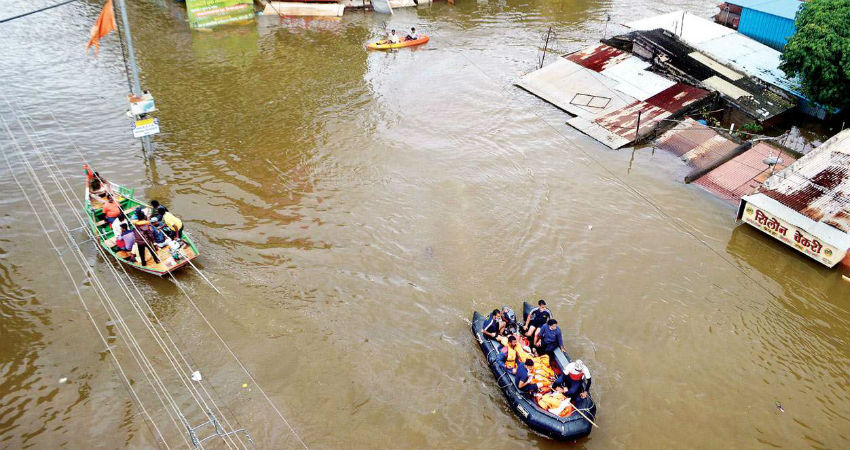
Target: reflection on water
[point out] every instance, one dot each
(355, 207)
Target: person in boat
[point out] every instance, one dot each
(160, 238)
(555, 402)
(126, 238)
(548, 338)
(537, 318)
(514, 354)
(154, 206)
(525, 377)
(111, 209)
(509, 317)
(144, 238)
(413, 35)
(171, 221)
(116, 225)
(576, 379)
(392, 38)
(493, 326)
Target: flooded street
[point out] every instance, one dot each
(355, 207)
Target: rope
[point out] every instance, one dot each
(121, 371)
(202, 403)
(207, 322)
(630, 188)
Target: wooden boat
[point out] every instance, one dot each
(386, 45)
(171, 257)
(570, 428)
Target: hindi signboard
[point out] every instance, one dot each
(209, 13)
(798, 238)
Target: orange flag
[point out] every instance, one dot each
(104, 24)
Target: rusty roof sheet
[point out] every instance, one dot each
(598, 57)
(744, 173)
(624, 121)
(818, 184)
(677, 97)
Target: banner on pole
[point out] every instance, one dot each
(145, 127)
(209, 13)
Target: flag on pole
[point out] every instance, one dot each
(104, 24)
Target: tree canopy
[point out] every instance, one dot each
(819, 51)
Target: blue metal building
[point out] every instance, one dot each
(770, 22)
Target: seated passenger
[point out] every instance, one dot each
(159, 238)
(537, 318)
(116, 225)
(524, 377)
(514, 353)
(493, 326)
(509, 317)
(111, 209)
(126, 238)
(392, 38)
(412, 36)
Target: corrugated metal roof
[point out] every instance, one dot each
(575, 89)
(677, 97)
(715, 66)
(597, 57)
(818, 184)
(724, 45)
(623, 122)
(744, 173)
(635, 80)
(782, 8)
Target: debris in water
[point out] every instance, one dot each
(589, 227)
(196, 376)
(63, 380)
(779, 407)
(244, 385)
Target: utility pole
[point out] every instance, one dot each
(147, 145)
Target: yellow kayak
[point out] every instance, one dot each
(385, 45)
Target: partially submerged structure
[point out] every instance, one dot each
(807, 205)
(614, 96)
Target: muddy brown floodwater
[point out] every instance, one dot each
(355, 207)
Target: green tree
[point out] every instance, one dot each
(819, 51)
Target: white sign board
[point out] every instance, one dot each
(142, 105)
(795, 237)
(145, 127)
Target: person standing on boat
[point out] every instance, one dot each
(537, 318)
(144, 238)
(548, 338)
(412, 36)
(576, 378)
(493, 326)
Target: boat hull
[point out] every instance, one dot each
(382, 46)
(569, 428)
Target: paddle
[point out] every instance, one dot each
(585, 417)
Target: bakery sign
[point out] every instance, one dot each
(796, 237)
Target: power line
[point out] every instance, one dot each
(9, 19)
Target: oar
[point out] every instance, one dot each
(585, 417)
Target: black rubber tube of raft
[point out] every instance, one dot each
(526, 409)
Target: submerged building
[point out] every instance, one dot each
(807, 204)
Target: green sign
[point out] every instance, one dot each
(209, 13)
